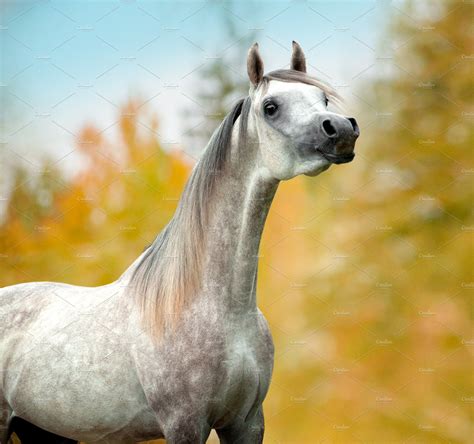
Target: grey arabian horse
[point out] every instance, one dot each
(176, 346)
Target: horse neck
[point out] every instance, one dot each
(209, 250)
(239, 209)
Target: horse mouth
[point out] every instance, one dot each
(336, 158)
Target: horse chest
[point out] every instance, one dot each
(241, 369)
(221, 372)
(247, 368)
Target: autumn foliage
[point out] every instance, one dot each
(365, 273)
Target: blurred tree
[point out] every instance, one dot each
(223, 79)
(74, 231)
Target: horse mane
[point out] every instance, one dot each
(168, 275)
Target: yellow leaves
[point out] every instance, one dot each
(106, 213)
(365, 272)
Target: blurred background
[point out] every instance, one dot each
(366, 271)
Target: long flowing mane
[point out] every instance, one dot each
(169, 273)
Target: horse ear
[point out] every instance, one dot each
(254, 65)
(298, 60)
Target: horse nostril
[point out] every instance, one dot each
(355, 127)
(328, 128)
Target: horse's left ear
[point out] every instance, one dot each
(254, 65)
(298, 60)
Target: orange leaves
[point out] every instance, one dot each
(86, 228)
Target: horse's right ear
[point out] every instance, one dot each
(254, 65)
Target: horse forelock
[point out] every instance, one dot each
(290, 75)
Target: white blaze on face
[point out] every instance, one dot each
(299, 104)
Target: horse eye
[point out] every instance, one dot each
(270, 108)
(326, 100)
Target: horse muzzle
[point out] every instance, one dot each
(340, 134)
